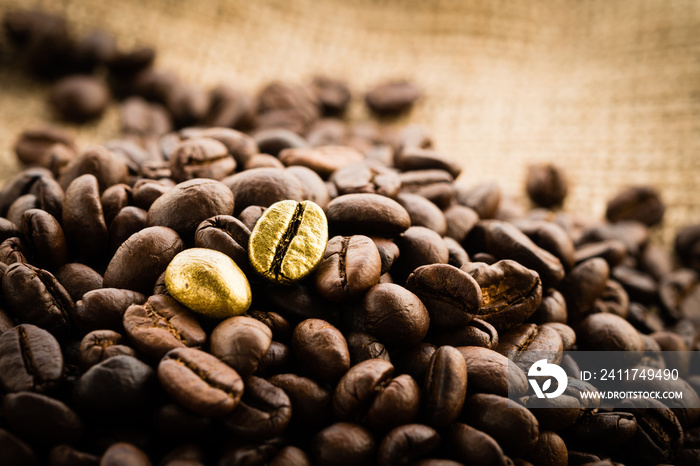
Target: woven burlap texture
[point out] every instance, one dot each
(609, 89)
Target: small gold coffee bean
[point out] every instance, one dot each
(208, 282)
(288, 241)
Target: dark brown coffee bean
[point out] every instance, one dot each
(124, 453)
(510, 292)
(547, 184)
(264, 411)
(512, 425)
(13, 250)
(687, 246)
(343, 444)
(419, 246)
(17, 209)
(388, 252)
(114, 199)
(366, 177)
(117, 384)
(315, 189)
(608, 428)
(550, 237)
(423, 212)
(451, 296)
(323, 160)
(146, 192)
(263, 187)
(394, 315)
(321, 349)
(188, 104)
(34, 296)
(363, 346)
(19, 185)
(608, 332)
(527, 343)
(278, 359)
(333, 94)
(550, 450)
(445, 387)
(298, 302)
(457, 256)
(128, 222)
(30, 359)
(555, 413)
(484, 198)
(460, 221)
(350, 266)
(614, 300)
(505, 241)
(230, 108)
(83, 219)
(287, 97)
(142, 258)
(45, 238)
(290, 456)
(368, 214)
(104, 308)
(552, 308)
(35, 143)
(42, 419)
(160, 325)
(407, 444)
(79, 98)
(311, 402)
(107, 168)
(490, 372)
(280, 327)
(241, 342)
(327, 132)
(657, 436)
(14, 451)
(477, 332)
(201, 158)
(200, 382)
(416, 158)
(613, 251)
(433, 184)
(274, 141)
(99, 345)
(143, 119)
(8, 229)
(583, 285)
(392, 97)
(640, 286)
(640, 203)
(679, 293)
(186, 205)
(472, 446)
(65, 455)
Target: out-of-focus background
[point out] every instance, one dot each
(608, 89)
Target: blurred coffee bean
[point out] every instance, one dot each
(547, 185)
(392, 97)
(407, 443)
(343, 444)
(640, 203)
(79, 98)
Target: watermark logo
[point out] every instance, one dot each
(544, 369)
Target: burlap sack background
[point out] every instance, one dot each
(609, 89)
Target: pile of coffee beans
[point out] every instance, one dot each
(310, 291)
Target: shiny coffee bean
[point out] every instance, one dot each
(83, 219)
(367, 214)
(311, 402)
(264, 411)
(407, 444)
(321, 350)
(343, 444)
(201, 158)
(30, 359)
(241, 342)
(491, 372)
(472, 446)
(263, 187)
(394, 315)
(363, 346)
(99, 345)
(104, 308)
(445, 387)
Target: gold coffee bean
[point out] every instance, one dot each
(288, 241)
(208, 282)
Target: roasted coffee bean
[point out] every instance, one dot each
(104, 308)
(491, 372)
(8, 229)
(679, 293)
(333, 94)
(566, 333)
(284, 96)
(128, 222)
(162, 324)
(34, 144)
(658, 434)
(363, 346)
(366, 177)
(460, 221)
(311, 402)
(394, 315)
(323, 160)
(34, 296)
(250, 215)
(414, 360)
(640, 203)
(527, 343)
(30, 359)
(546, 184)
(510, 292)
(419, 246)
(280, 327)
(550, 450)
(583, 285)
(229, 108)
(273, 141)
(631, 232)
(350, 266)
(201, 158)
(644, 319)
(142, 258)
(315, 189)
(277, 360)
(550, 237)
(472, 446)
(687, 246)
(226, 234)
(368, 392)
(477, 332)
(14, 451)
(613, 251)
(65, 455)
(117, 384)
(640, 286)
(107, 168)
(189, 203)
(343, 444)
(42, 419)
(368, 214)
(457, 256)
(20, 184)
(23, 203)
(552, 308)
(188, 104)
(264, 411)
(83, 219)
(484, 199)
(407, 443)
(433, 184)
(608, 332)
(321, 350)
(554, 414)
(114, 199)
(392, 97)
(416, 158)
(79, 98)
(290, 456)
(288, 241)
(208, 282)
(614, 300)
(13, 250)
(423, 212)
(99, 345)
(200, 382)
(124, 453)
(388, 252)
(513, 426)
(445, 387)
(608, 428)
(297, 302)
(327, 132)
(505, 241)
(241, 342)
(451, 296)
(146, 192)
(263, 187)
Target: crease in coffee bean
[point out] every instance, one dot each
(444, 298)
(203, 375)
(156, 318)
(53, 292)
(286, 240)
(484, 310)
(526, 344)
(342, 256)
(27, 359)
